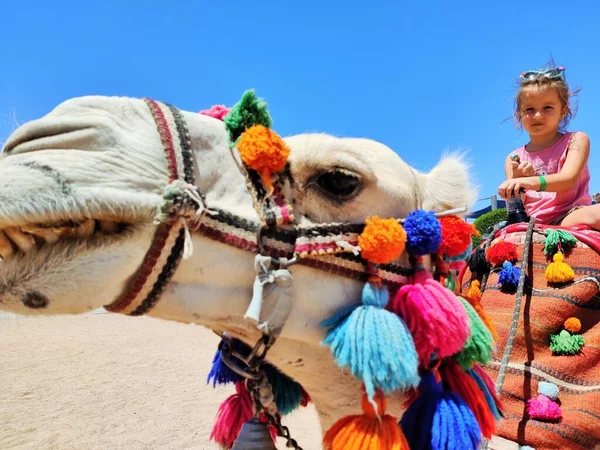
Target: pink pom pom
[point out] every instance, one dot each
(543, 408)
(231, 415)
(216, 111)
(435, 317)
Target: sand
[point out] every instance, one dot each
(105, 381)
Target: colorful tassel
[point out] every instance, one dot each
(558, 271)
(439, 420)
(461, 256)
(489, 387)
(216, 111)
(479, 345)
(248, 111)
(489, 395)
(450, 282)
(509, 277)
(368, 431)
(502, 251)
(374, 343)
(232, 414)
(474, 298)
(219, 372)
(423, 231)
(434, 317)
(478, 264)
(459, 382)
(566, 343)
(544, 409)
(558, 240)
(264, 151)
(288, 393)
(456, 236)
(420, 275)
(474, 292)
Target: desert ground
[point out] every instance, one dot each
(105, 381)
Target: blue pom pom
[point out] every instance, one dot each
(525, 447)
(374, 343)
(439, 420)
(509, 276)
(550, 390)
(219, 372)
(423, 232)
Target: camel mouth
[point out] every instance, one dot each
(22, 240)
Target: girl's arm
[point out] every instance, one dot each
(577, 157)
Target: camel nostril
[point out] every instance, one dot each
(35, 300)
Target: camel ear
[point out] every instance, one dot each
(448, 185)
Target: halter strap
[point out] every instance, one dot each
(328, 247)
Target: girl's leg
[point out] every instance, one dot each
(588, 215)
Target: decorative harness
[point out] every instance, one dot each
(424, 339)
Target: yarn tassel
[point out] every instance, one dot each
(462, 384)
(478, 265)
(474, 297)
(439, 420)
(288, 394)
(566, 343)
(558, 240)
(558, 271)
(232, 414)
(434, 317)
(479, 345)
(509, 277)
(490, 396)
(450, 282)
(420, 275)
(502, 251)
(367, 431)
(544, 409)
(374, 343)
(220, 373)
(489, 386)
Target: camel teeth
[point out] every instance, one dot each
(108, 227)
(23, 241)
(86, 229)
(5, 246)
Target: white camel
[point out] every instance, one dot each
(79, 191)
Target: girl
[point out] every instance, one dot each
(551, 171)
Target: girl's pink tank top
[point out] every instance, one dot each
(549, 206)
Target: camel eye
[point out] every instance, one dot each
(339, 184)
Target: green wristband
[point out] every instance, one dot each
(542, 183)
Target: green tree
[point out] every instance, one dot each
(487, 220)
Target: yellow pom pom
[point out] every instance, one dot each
(573, 325)
(263, 150)
(558, 271)
(382, 240)
(474, 291)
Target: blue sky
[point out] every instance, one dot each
(421, 77)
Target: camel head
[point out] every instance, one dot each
(83, 188)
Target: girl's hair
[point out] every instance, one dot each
(539, 82)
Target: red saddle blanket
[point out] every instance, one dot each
(543, 312)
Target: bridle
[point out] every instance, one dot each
(329, 247)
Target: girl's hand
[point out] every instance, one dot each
(510, 188)
(520, 170)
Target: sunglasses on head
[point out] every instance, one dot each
(553, 74)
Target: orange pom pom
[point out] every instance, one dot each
(573, 325)
(367, 431)
(474, 298)
(382, 240)
(263, 150)
(456, 235)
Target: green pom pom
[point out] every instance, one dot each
(248, 111)
(451, 282)
(565, 343)
(479, 346)
(554, 237)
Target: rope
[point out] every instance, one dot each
(517, 309)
